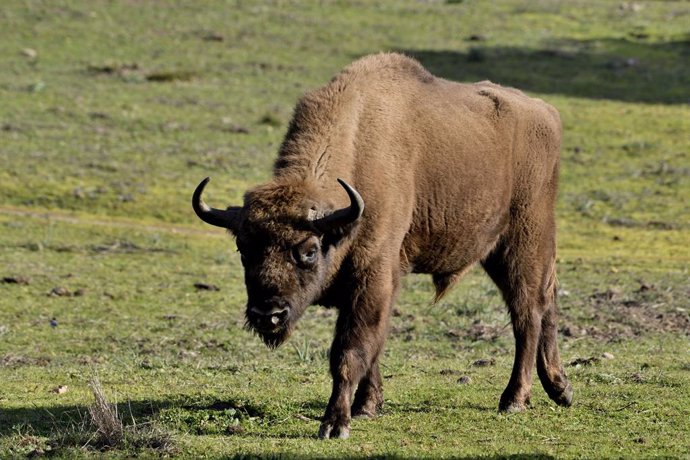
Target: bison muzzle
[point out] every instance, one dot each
(388, 170)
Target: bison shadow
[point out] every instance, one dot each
(617, 69)
(46, 421)
(54, 421)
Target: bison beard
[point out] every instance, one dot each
(452, 175)
(271, 339)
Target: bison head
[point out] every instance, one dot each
(286, 241)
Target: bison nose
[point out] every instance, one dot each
(271, 314)
(270, 307)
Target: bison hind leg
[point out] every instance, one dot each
(369, 395)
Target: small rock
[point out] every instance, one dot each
(79, 292)
(206, 287)
(235, 128)
(632, 62)
(584, 361)
(214, 37)
(465, 380)
(37, 452)
(573, 331)
(612, 294)
(188, 354)
(607, 355)
(484, 362)
(449, 372)
(99, 116)
(637, 377)
(633, 7)
(59, 291)
(234, 429)
(62, 389)
(30, 53)
(644, 286)
(454, 334)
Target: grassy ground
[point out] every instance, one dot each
(113, 111)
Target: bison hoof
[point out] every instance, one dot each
(364, 413)
(329, 430)
(565, 397)
(512, 405)
(367, 409)
(511, 408)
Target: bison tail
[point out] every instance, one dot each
(443, 282)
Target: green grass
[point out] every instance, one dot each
(113, 111)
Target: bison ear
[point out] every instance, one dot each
(229, 218)
(341, 221)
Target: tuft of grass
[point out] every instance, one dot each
(105, 420)
(303, 351)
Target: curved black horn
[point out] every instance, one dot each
(218, 217)
(345, 216)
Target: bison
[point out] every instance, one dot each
(389, 170)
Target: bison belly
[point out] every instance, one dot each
(458, 217)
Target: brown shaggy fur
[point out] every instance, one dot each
(451, 174)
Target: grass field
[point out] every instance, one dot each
(111, 113)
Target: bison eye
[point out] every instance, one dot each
(305, 254)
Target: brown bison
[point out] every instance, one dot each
(389, 170)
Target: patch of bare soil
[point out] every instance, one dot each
(24, 280)
(480, 331)
(206, 287)
(612, 315)
(135, 72)
(12, 360)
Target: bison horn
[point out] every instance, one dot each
(345, 216)
(218, 217)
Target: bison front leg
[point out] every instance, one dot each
(359, 338)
